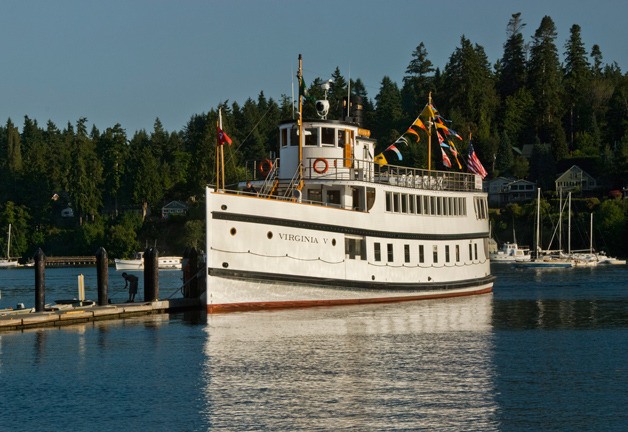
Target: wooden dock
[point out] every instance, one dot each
(71, 261)
(18, 320)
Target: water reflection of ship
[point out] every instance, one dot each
(420, 364)
(432, 316)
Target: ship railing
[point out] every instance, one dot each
(368, 171)
(338, 169)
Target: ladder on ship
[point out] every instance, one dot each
(272, 184)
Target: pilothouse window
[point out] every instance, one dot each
(328, 136)
(311, 137)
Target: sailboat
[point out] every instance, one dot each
(543, 259)
(8, 262)
(592, 258)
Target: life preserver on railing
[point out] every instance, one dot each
(316, 167)
(264, 167)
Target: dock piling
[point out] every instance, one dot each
(194, 273)
(102, 275)
(151, 274)
(40, 280)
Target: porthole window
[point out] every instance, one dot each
(223, 207)
(269, 235)
(333, 242)
(233, 231)
(225, 264)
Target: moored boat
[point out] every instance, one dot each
(137, 262)
(331, 224)
(8, 262)
(510, 253)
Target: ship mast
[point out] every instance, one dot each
(300, 121)
(220, 157)
(429, 134)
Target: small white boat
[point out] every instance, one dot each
(510, 253)
(137, 262)
(19, 309)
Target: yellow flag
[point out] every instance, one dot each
(419, 123)
(380, 159)
(415, 133)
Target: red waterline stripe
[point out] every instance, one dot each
(256, 306)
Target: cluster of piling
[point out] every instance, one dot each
(191, 291)
(151, 277)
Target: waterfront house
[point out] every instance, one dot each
(575, 179)
(503, 190)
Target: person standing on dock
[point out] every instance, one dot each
(130, 281)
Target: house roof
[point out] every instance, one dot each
(175, 205)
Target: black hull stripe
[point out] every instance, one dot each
(342, 283)
(263, 220)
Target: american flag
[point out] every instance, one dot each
(474, 164)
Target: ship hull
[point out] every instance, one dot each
(248, 294)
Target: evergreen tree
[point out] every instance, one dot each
(146, 189)
(517, 116)
(14, 149)
(113, 151)
(388, 115)
(577, 85)
(86, 174)
(253, 147)
(35, 188)
(512, 75)
(336, 95)
(544, 78)
(470, 96)
(505, 157)
(596, 56)
(199, 142)
(417, 83)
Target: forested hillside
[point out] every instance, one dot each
(555, 93)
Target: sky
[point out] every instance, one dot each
(133, 61)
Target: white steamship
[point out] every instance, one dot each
(328, 225)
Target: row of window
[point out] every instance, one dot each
(355, 248)
(481, 207)
(329, 137)
(397, 202)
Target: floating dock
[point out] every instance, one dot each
(21, 320)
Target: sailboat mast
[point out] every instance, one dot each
(569, 225)
(591, 234)
(560, 222)
(538, 221)
(9, 243)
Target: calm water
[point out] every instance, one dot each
(547, 351)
